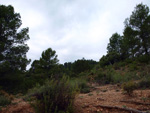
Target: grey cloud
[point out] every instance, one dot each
(74, 28)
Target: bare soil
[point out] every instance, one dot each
(102, 99)
(111, 99)
(18, 106)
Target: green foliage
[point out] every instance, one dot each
(133, 66)
(48, 59)
(135, 42)
(4, 101)
(56, 96)
(136, 35)
(84, 88)
(114, 44)
(129, 87)
(104, 77)
(144, 83)
(83, 65)
(119, 65)
(109, 59)
(11, 82)
(4, 98)
(47, 65)
(12, 43)
(144, 59)
(13, 60)
(82, 84)
(109, 74)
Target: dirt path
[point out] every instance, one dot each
(103, 99)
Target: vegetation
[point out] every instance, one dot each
(55, 96)
(135, 42)
(5, 98)
(129, 87)
(13, 49)
(127, 61)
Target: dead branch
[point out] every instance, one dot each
(120, 108)
(134, 102)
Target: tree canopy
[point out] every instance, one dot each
(12, 41)
(46, 64)
(136, 32)
(135, 41)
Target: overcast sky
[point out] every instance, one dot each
(73, 28)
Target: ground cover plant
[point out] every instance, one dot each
(55, 96)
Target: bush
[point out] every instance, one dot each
(144, 83)
(144, 58)
(4, 100)
(105, 77)
(129, 87)
(84, 88)
(133, 66)
(100, 77)
(82, 84)
(117, 78)
(54, 97)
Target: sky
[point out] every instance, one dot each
(73, 28)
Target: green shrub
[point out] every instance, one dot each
(82, 85)
(144, 83)
(84, 88)
(129, 87)
(56, 96)
(117, 78)
(100, 77)
(105, 77)
(4, 100)
(144, 58)
(133, 66)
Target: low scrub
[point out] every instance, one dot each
(84, 87)
(5, 98)
(56, 96)
(129, 87)
(144, 83)
(4, 101)
(82, 84)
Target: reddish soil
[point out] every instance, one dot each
(18, 106)
(103, 99)
(110, 99)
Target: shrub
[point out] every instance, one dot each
(129, 87)
(4, 100)
(82, 84)
(117, 78)
(84, 88)
(144, 58)
(54, 97)
(144, 83)
(105, 77)
(133, 66)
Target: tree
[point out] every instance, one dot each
(136, 32)
(35, 66)
(114, 44)
(109, 59)
(12, 41)
(48, 59)
(81, 66)
(13, 49)
(130, 45)
(113, 50)
(47, 64)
